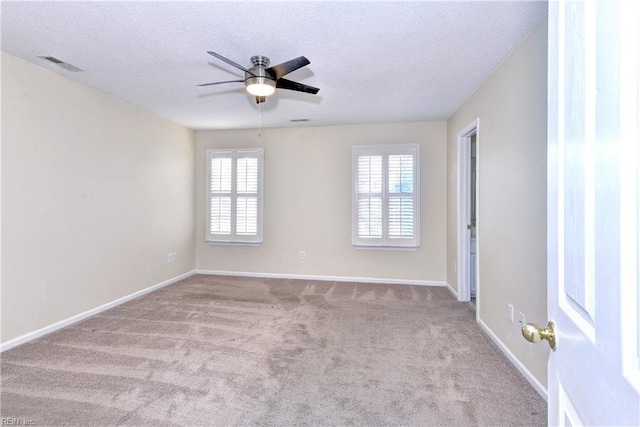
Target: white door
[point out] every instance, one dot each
(594, 373)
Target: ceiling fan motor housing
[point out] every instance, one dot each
(258, 75)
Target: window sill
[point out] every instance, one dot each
(221, 243)
(386, 248)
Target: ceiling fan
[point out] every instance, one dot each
(261, 81)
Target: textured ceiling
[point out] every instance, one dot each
(373, 61)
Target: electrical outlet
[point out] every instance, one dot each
(521, 319)
(510, 312)
(455, 267)
(303, 255)
(172, 257)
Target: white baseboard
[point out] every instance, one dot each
(78, 317)
(537, 385)
(323, 278)
(453, 292)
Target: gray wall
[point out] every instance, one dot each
(308, 203)
(512, 107)
(95, 194)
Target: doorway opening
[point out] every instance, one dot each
(468, 234)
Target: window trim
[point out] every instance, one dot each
(234, 239)
(385, 242)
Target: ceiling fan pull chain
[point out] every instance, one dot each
(259, 121)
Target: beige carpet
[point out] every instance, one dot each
(239, 351)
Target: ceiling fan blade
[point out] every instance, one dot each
(219, 83)
(286, 67)
(230, 62)
(288, 84)
(260, 99)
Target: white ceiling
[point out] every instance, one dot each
(373, 61)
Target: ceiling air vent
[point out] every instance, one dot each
(60, 63)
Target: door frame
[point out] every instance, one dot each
(464, 205)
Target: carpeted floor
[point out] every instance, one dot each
(214, 350)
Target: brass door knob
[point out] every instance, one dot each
(534, 333)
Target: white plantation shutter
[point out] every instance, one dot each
(386, 196)
(369, 205)
(220, 218)
(235, 188)
(247, 199)
(370, 218)
(220, 215)
(401, 218)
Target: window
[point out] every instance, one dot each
(234, 186)
(386, 196)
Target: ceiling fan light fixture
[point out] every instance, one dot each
(261, 81)
(260, 86)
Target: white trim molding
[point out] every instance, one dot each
(323, 278)
(463, 209)
(537, 385)
(78, 317)
(453, 291)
